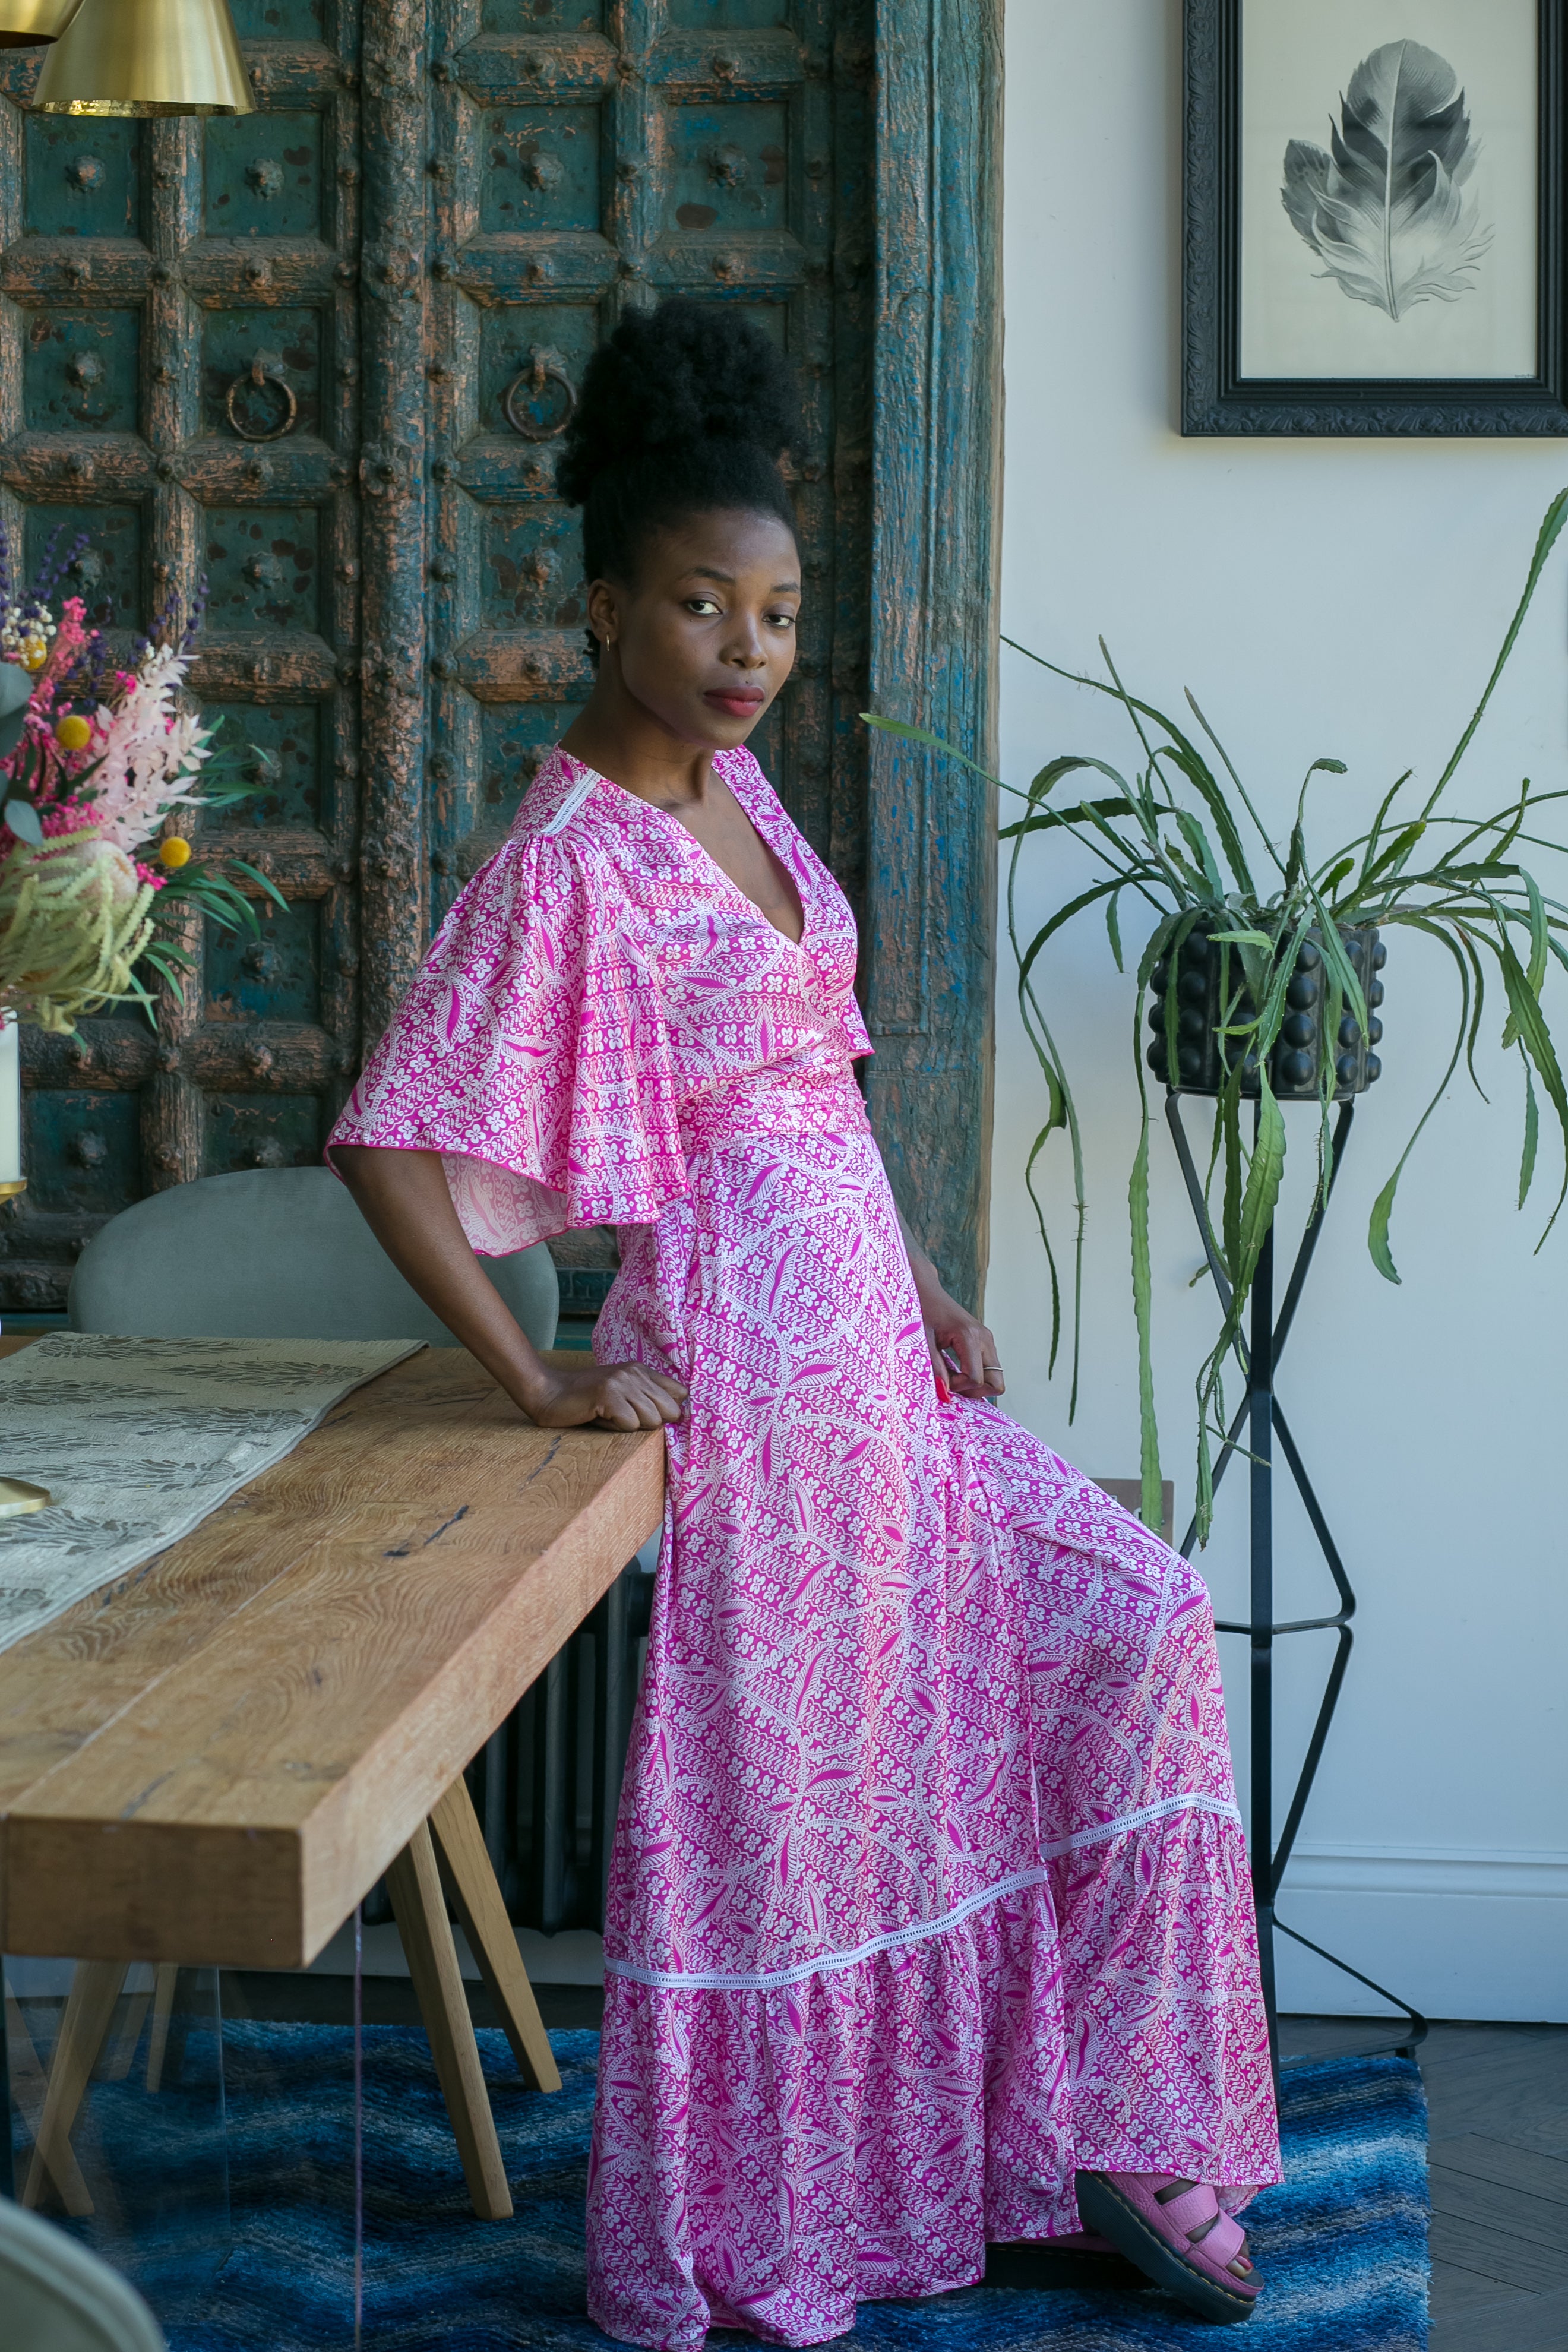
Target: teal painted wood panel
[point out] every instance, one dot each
(82, 178)
(80, 370)
(110, 576)
(262, 174)
(287, 340)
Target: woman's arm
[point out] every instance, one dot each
(963, 1352)
(404, 1199)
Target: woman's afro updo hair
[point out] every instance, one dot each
(685, 409)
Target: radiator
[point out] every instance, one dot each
(547, 1784)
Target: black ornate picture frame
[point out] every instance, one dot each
(1433, 148)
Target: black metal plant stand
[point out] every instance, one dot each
(1259, 1415)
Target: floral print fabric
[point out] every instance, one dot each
(929, 1887)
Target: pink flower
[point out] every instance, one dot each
(71, 637)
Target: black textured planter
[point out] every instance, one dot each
(1296, 1063)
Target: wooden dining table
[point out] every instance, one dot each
(211, 1762)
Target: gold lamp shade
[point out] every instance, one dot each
(24, 24)
(144, 56)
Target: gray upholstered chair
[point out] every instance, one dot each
(272, 1254)
(58, 2298)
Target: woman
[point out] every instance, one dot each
(930, 1921)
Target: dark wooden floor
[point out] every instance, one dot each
(1499, 2102)
(1497, 2097)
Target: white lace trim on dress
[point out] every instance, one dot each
(775, 1979)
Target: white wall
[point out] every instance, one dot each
(1320, 598)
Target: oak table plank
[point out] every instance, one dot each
(213, 1758)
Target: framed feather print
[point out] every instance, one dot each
(1373, 233)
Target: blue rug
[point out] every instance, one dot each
(1343, 2242)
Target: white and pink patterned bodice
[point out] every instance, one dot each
(602, 1002)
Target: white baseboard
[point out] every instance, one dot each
(1460, 1931)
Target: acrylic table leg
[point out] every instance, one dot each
(165, 1978)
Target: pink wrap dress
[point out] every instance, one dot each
(928, 1885)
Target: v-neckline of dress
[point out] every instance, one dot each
(652, 808)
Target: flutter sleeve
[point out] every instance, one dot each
(531, 1053)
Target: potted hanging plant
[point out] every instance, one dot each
(1261, 980)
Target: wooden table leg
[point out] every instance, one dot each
(30, 2089)
(489, 1933)
(414, 1883)
(89, 2010)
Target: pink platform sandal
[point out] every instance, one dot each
(1179, 2235)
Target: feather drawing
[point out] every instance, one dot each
(1389, 208)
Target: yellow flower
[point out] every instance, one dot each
(173, 852)
(35, 653)
(73, 734)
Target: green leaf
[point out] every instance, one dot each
(1536, 974)
(1113, 926)
(1184, 753)
(1072, 763)
(1552, 524)
(1536, 1040)
(935, 743)
(1244, 940)
(1259, 1201)
(1229, 1113)
(1532, 1137)
(257, 877)
(1382, 1207)
(1063, 914)
(1398, 849)
(1044, 820)
(1062, 1112)
(1151, 1510)
(1198, 775)
(1197, 840)
(1264, 834)
(1341, 969)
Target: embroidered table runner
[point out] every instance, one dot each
(136, 1440)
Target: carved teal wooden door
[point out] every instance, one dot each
(324, 354)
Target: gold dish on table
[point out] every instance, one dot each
(19, 1496)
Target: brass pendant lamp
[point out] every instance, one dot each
(144, 56)
(25, 23)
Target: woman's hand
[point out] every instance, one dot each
(963, 1352)
(625, 1396)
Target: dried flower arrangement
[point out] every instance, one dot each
(99, 763)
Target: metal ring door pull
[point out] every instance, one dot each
(264, 369)
(524, 395)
